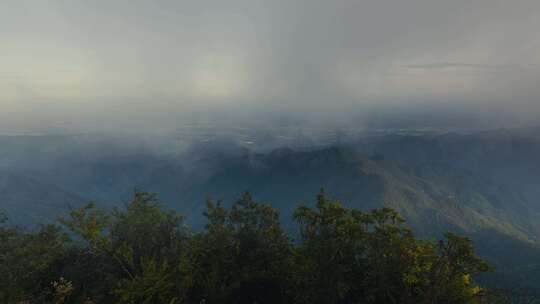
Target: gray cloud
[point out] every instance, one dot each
(479, 66)
(110, 63)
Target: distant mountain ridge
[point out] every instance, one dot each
(482, 184)
(493, 176)
(27, 201)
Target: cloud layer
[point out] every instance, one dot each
(108, 61)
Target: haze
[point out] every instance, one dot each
(118, 65)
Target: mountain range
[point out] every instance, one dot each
(482, 184)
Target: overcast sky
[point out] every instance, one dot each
(103, 61)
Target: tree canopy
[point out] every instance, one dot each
(144, 253)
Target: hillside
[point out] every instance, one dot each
(483, 185)
(29, 202)
(465, 182)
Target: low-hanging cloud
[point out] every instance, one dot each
(86, 64)
(468, 65)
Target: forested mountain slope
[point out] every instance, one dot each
(29, 202)
(483, 185)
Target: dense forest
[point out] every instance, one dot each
(143, 253)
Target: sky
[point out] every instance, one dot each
(117, 64)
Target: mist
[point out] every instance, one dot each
(128, 66)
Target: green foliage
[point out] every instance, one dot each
(352, 256)
(144, 245)
(30, 261)
(242, 253)
(144, 254)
